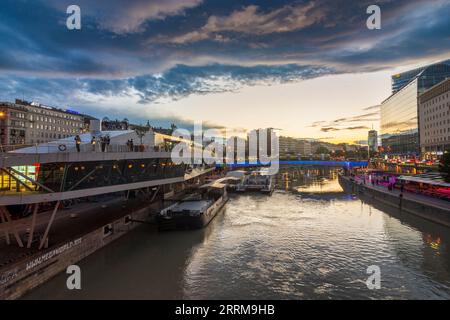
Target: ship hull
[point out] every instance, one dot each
(188, 222)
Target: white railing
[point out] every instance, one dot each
(71, 147)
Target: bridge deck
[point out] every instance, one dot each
(89, 217)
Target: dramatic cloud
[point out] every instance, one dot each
(154, 50)
(125, 16)
(178, 82)
(250, 20)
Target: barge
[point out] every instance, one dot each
(258, 180)
(195, 211)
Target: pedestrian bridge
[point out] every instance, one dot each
(320, 163)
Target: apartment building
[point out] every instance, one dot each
(25, 122)
(292, 147)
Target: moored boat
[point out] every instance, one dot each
(258, 180)
(195, 211)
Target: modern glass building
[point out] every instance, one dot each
(428, 76)
(399, 112)
(399, 125)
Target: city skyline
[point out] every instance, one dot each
(244, 156)
(235, 65)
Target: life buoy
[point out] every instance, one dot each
(62, 147)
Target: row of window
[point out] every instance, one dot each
(56, 121)
(437, 108)
(19, 115)
(54, 114)
(54, 128)
(437, 100)
(16, 123)
(435, 140)
(437, 124)
(438, 131)
(36, 117)
(49, 135)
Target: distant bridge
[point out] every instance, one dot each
(338, 164)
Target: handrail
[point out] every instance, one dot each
(71, 147)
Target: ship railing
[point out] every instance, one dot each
(71, 147)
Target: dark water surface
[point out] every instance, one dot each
(308, 241)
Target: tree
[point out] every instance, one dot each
(339, 153)
(322, 150)
(173, 127)
(444, 166)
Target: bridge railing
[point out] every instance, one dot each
(349, 164)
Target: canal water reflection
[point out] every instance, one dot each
(308, 241)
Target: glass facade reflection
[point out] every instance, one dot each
(399, 113)
(399, 129)
(428, 76)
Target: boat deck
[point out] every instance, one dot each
(192, 205)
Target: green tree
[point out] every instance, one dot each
(322, 150)
(444, 166)
(339, 153)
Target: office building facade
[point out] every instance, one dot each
(434, 119)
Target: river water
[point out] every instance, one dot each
(309, 240)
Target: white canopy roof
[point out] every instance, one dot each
(432, 178)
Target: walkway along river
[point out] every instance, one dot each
(309, 240)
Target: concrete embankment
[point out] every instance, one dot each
(431, 209)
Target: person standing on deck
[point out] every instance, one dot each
(78, 142)
(103, 143)
(93, 143)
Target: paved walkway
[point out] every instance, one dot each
(442, 204)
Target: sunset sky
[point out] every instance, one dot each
(310, 68)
